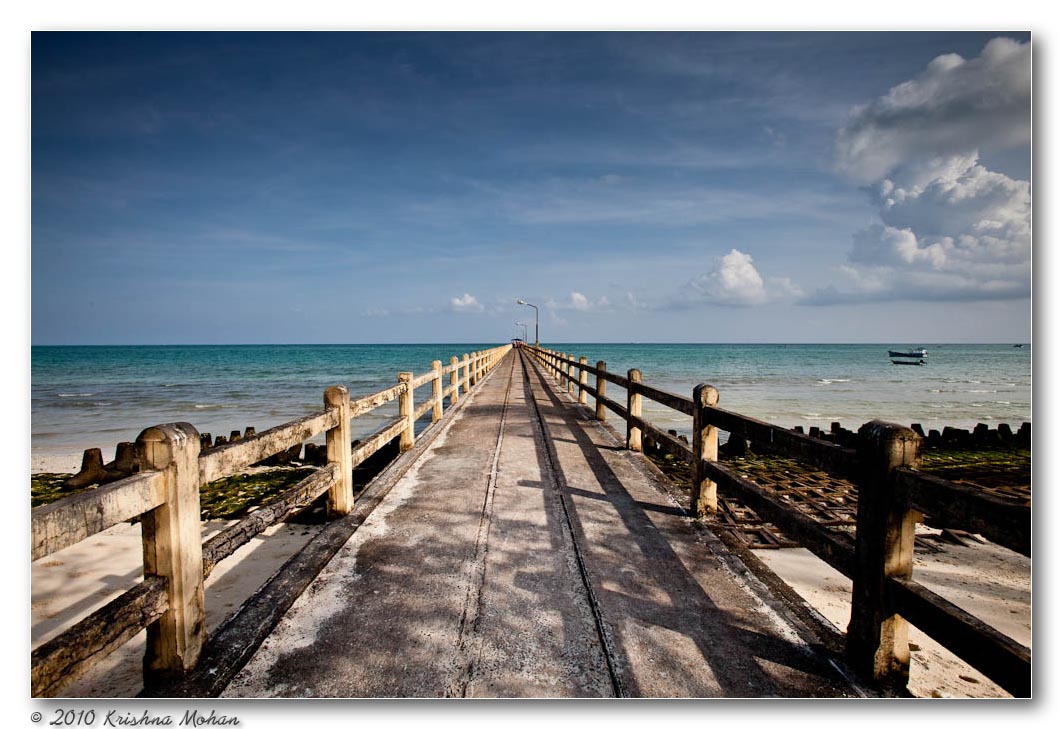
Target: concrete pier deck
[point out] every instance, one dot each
(526, 553)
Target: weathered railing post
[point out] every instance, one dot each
(877, 636)
(569, 370)
(703, 497)
(173, 550)
(436, 391)
(634, 410)
(582, 382)
(337, 449)
(599, 392)
(405, 410)
(454, 387)
(473, 376)
(464, 372)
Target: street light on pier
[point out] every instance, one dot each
(524, 303)
(521, 324)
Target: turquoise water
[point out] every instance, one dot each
(97, 396)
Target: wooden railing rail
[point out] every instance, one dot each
(65, 522)
(893, 496)
(820, 453)
(954, 505)
(165, 496)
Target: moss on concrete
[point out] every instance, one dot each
(226, 498)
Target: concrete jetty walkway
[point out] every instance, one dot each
(527, 554)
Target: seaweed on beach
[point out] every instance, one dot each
(226, 498)
(234, 496)
(47, 487)
(1006, 470)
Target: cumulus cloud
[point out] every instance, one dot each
(466, 304)
(578, 302)
(954, 106)
(948, 228)
(735, 281)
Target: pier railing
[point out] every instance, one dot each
(169, 602)
(892, 497)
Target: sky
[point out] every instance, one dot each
(636, 187)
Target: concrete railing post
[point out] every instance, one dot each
(703, 497)
(464, 373)
(173, 550)
(582, 382)
(337, 449)
(877, 636)
(436, 391)
(634, 410)
(405, 410)
(473, 375)
(569, 369)
(454, 387)
(599, 392)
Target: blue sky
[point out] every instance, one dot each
(389, 187)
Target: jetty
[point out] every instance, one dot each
(521, 545)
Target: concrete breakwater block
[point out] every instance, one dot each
(95, 471)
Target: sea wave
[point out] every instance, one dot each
(208, 406)
(76, 394)
(829, 381)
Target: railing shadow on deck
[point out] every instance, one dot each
(680, 606)
(893, 495)
(169, 602)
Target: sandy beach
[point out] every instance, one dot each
(988, 581)
(70, 584)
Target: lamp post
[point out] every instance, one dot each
(521, 324)
(524, 303)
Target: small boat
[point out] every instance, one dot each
(915, 353)
(908, 362)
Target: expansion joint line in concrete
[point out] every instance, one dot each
(468, 627)
(556, 478)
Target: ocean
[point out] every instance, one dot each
(97, 396)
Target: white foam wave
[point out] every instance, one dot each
(76, 394)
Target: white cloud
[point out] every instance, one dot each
(949, 228)
(964, 235)
(954, 106)
(735, 281)
(578, 302)
(466, 304)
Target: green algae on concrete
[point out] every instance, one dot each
(227, 498)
